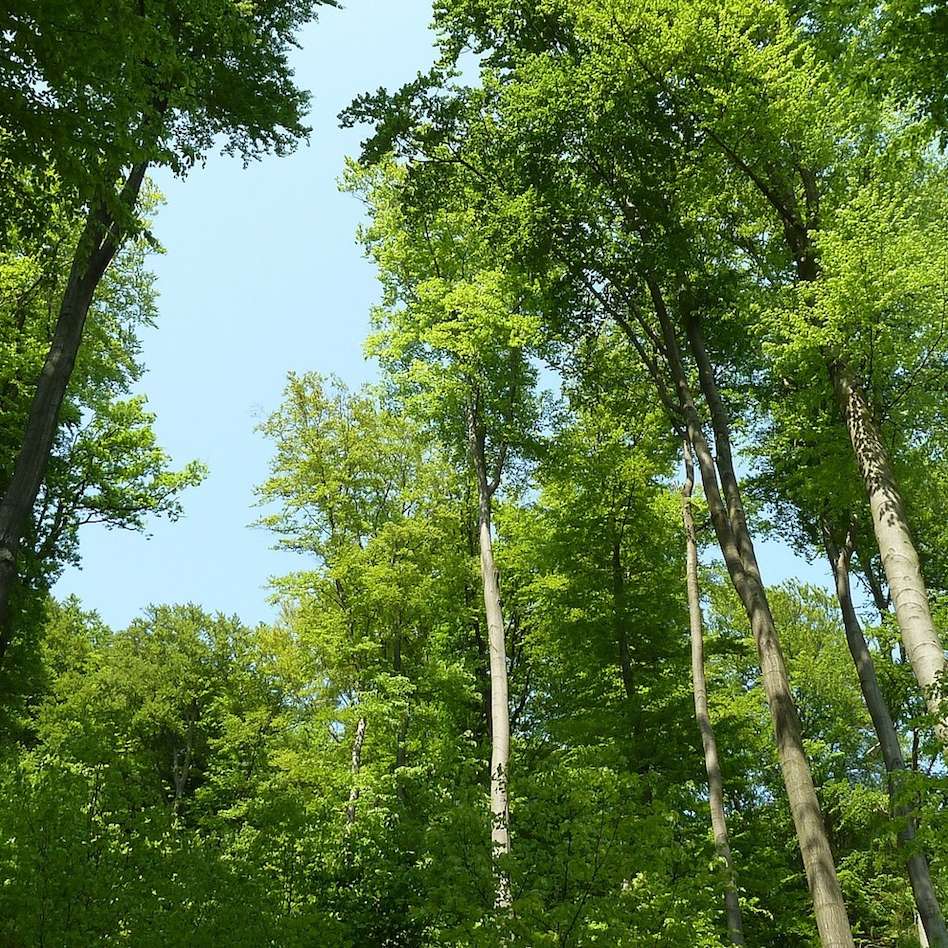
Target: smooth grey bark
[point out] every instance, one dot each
(355, 766)
(734, 539)
(497, 649)
(929, 911)
(924, 648)
(101, 238)
(712, 764)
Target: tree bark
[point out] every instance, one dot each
(737, 548)
(926, 899)
(499, 701)
(356, 766)
(101, 238)
(900, 562)
(619, 616)
(181, 772)
(732, 906)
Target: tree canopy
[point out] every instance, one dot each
(658, 281)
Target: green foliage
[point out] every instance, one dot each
(89, 90)
(106, 466)
(323, 780)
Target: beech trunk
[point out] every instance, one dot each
(619, 617)
(497, 649)
(734, 539)
(929, 911)
(356, 766)
(712, 764)
(900, 561)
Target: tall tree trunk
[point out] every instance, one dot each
(181, 772)
(401, 736)
(499, 702)
(926, 900)
(732, 905)
(899, 556)
(619, 615)
(896, 547)
(401, 749)
(102, 236)
(737, 548)
(356, 766)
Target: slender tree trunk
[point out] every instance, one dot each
(401, 739)
(356, 766)
(889, 522)
(899, 556)
(737, 548)
(619, 616)
(732, 905)
(879, 597)
(499, 701)
(181, 772)
(499, 708)
(926, 900)
(101, 238)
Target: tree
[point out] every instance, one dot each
(699, 685)
(106, 465)
(458, 333)
(154, 89)
(627, 243)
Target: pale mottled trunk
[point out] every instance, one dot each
(356, 766)
(101, 238)
(737, 548)
(499, 708)
(499, 701)
(931, 920)
(401, 739)
(732, 905)
(899, 556)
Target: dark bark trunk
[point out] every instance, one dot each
(181, 773)
(101, 238)
(879, 597)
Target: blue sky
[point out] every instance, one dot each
(262, 275)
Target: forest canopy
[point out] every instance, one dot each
(659, 281)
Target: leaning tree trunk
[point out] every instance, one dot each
(712, 763)
(931, 919)
(499, 703)
(737, 548)
(101, 238)
(889, 522)
(899, 556)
